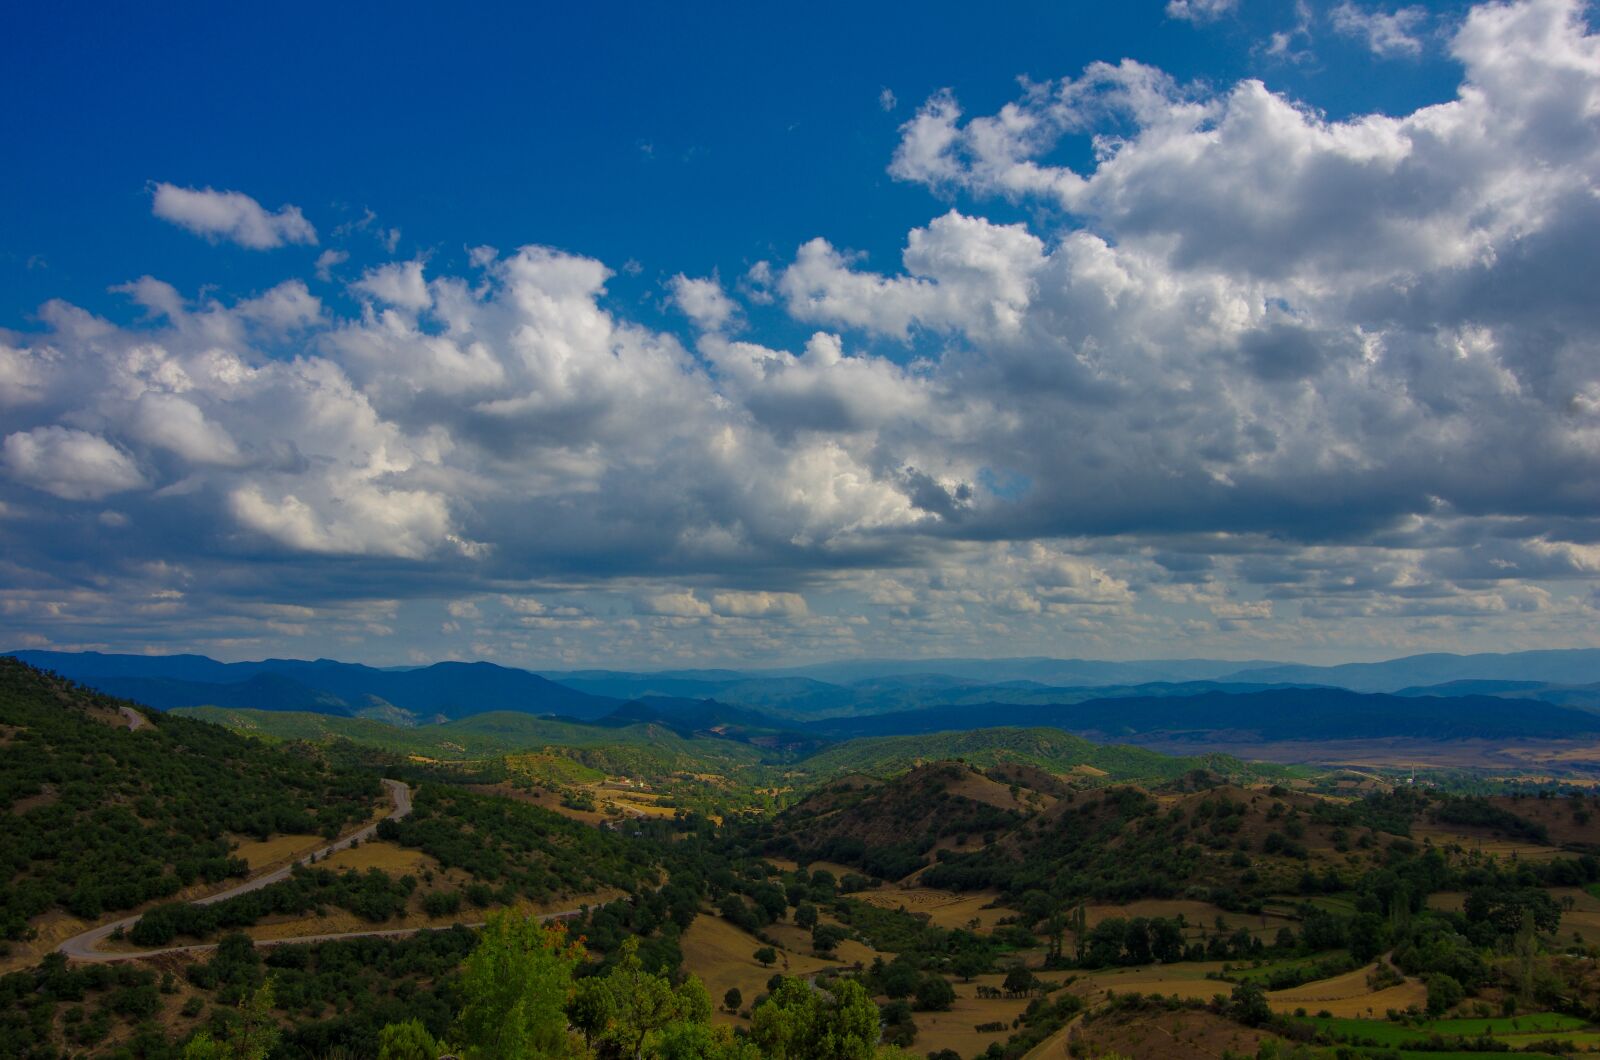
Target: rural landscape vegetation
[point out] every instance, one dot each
(723, 864)
(1046, 530)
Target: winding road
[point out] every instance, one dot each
(82, 947)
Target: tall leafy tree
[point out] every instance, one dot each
(515, 986)
(802, 1022)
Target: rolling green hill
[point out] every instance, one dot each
(102, 817)
(637, 750)
(1049, 749)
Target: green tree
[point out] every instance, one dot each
(1249, 1005)
(254, 1037)
(935, 994)
(515, 985)
(642, 1003)
(802, 1022)
(825, 938)
(699, 1041)
(1369, 935)
(1444, 993)
(1018, 980)
(630, 1012)
(767, 956)
(590, 1008)
(733, 1000)
(409, 1041)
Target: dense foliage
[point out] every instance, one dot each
(101, 818)
(523, 851)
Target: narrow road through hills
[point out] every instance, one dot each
(82, 947)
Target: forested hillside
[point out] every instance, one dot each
(107, 807)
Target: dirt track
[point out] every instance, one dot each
(82, 947)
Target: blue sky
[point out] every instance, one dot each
(687, 138)
(659, 337)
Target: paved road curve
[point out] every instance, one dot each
(83, 947)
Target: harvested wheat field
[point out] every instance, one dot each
(376, 854)
(1187, 980)
(946, 909)
(1349, 995)
(1483, 842)
(955, 1029)
(1583, 919)
(839, 871)
(1198, 916)
(793, 941)
(722, 956)
(259, 853)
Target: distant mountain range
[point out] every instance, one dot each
(1433, 697)
(1288, 713)
(439, 692)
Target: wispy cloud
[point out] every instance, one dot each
(1385, 33)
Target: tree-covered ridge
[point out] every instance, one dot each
(640, 750)
(512, 852)
(100, 817)
(524, 851)
(888, 829)
(1047, 748)
(656, 751)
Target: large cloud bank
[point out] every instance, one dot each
(1252, 381)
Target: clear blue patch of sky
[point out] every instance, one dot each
(687, 137)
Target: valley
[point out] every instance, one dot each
(994, 892)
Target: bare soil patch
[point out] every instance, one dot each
(1170, 1035)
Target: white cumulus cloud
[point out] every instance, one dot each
(232, 216)
(72, 464)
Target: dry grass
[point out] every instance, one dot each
(1349, 995)
(339, 921)
(1198, 915)
(51, 929)
(259, 854)
(1567, 820)
(721, 955)
(1187, 981)
(1169, 1035)
(946, 909)
(375, 854)
(979, 788)
(1482, 842)
(954, 1029)
(839, 871)
(1583, 919)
